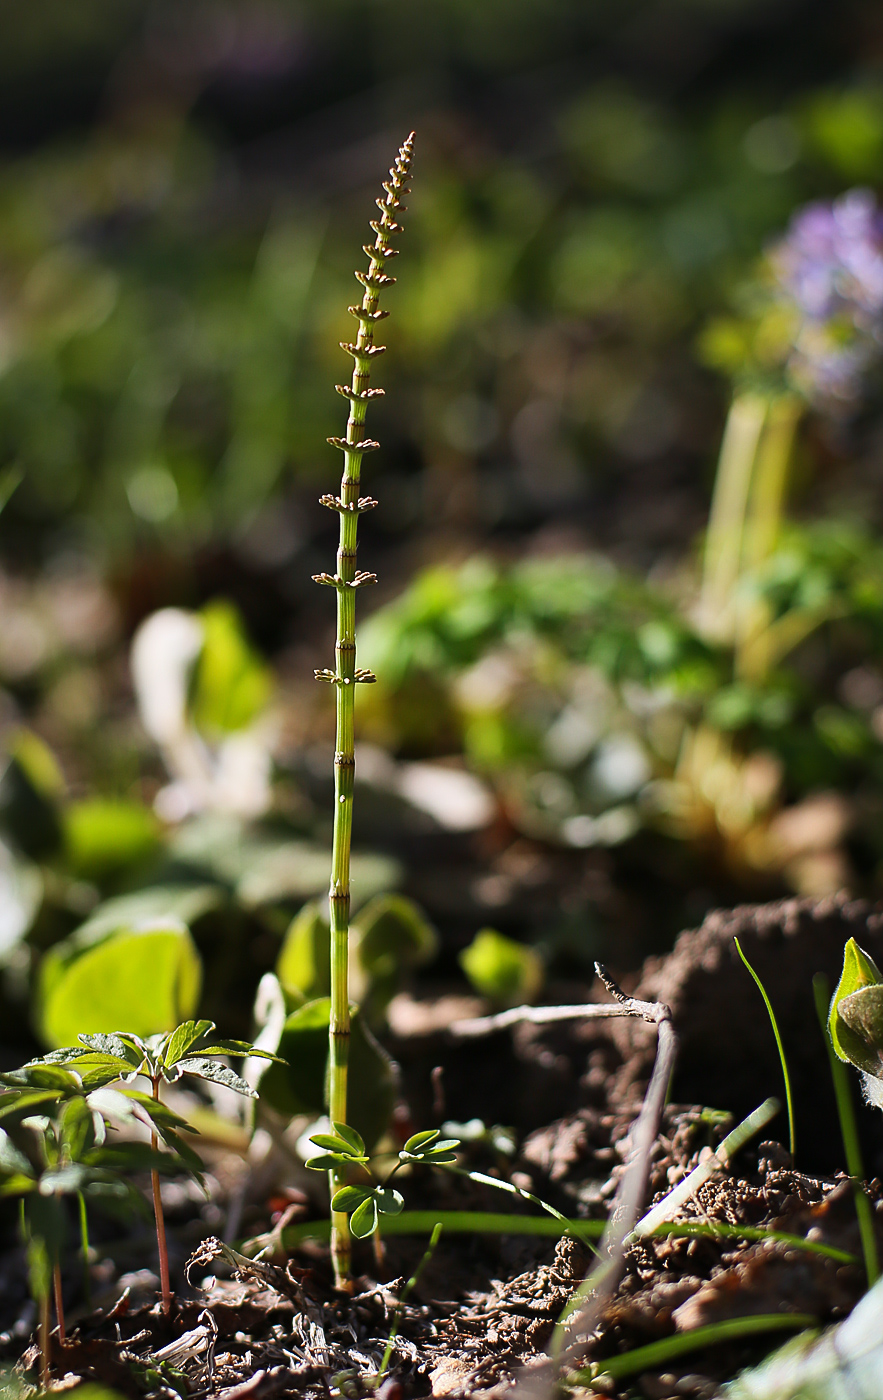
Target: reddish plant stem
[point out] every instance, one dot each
(44, 1341)
(162, 1247)
(59, 1302)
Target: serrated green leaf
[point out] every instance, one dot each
(216, 1073)
(41, 1076)
(12, 1159)
(389, 1201)
(183, 1037)
(859, 971)
(158, 1112)
(130, 1157)
(363, 1221)
(130, 1049)
(191, 1159)
(239, 1049)
(15, 1104)
(76, 1129)
(95, 1071)
(419, 1140)
(349, 1197)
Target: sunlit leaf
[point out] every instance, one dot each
(506, 972)
(231, 684)
(183, 1037)
(859, 971)
(349, 1135)
(419, 1140)
(102, 835)
(299, 1085)
(147, 980)
(216, 1073)
(349, 1197)
(389, 935)
(303, 964)
(389, 1201)
(363, 1221)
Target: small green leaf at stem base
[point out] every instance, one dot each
(389, 1202)
(349, 1198)
(327, 1161)
(363, 1221)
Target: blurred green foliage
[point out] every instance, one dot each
(181, 189)
(173, 287)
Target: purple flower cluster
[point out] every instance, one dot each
(829, 267)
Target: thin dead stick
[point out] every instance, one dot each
(546, 1015)
(602, 1281)
(633, 1184)
(624, 1212)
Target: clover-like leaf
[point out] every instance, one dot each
(437, 1153)
(389, 1202)
(860, 973)
(327, 1161)
(363, 1221)
(351, 1137)
(349, 1198)
(332, 1143)
(413, 1145)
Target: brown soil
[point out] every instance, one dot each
(485, 1306)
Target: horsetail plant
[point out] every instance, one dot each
(349, 506)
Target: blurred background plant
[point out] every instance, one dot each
(656, 232)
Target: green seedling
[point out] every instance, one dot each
(365, 1202)
(54, 1147)
(349, 505)
(848, 1127)
(191, 1049)
(779, 1046)
(855, 1020)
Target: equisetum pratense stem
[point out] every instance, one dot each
(345, 676)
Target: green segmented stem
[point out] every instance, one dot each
(345, 676)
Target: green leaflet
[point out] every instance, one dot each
(508, 973)
(147, 980)
(855, 1019)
